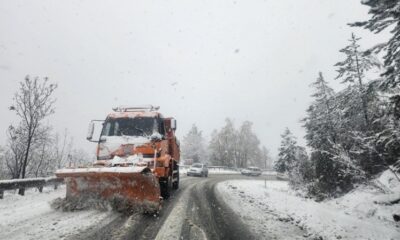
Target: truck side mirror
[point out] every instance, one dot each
(89, 135)
(173, 124)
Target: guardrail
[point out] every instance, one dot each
(281, 176)
(38, 183)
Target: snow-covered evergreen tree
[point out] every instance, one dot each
(320, 121)
(359, 103)
(287, 152)
(328, 129)
(237, 148)
(248, 151)
(223, 145)
(385, 14)
(352, 71)
(193, 146)
(301, 171)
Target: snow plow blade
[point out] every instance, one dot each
(126, 188)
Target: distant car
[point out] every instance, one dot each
(251, 171)
(198, 169)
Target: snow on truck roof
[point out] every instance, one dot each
(133, 114)
(135, 111)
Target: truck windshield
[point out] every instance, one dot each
(139, 126)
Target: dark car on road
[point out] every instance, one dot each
(251, 171)
(198, 169)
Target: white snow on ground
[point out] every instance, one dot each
(222, 171)
(357, 215)
(183, 171)
(31, 217)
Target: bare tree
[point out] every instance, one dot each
(265, 157)
(62, 148)
(41, 160)
(79, 157)
(33, 102)
(15, 151)
(3, 166)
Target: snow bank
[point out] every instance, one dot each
(19, 180)
(222, 171)
(357, 215)
(184, 170)
(31, 217)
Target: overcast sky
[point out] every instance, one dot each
(201, 61)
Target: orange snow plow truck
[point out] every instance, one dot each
(137, 160)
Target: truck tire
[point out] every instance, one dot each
(175, 185)
(165, 188)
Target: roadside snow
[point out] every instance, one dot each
(222, 171)
(184, 170)
(31, 217)
(356, 215)
(217, 171)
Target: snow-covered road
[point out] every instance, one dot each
(218, 207)
(194, 211)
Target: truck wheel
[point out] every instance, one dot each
(165, 188)
(175, 185)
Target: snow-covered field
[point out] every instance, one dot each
(360, 214)
(31, 217)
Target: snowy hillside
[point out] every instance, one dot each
(361, 214)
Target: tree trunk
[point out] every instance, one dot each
(361, 86)
(21, 191)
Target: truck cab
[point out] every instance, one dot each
(139, 136)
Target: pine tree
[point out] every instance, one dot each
(223, 145)
(328, 134)
(287, 152)
(352, 71)
(322, 124)
(248, 150)
(193, 145)
(319, 123)
(360, 103)
(301, 172)
(386, 14)
(237, 148)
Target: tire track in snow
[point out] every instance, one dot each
(209, 217)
